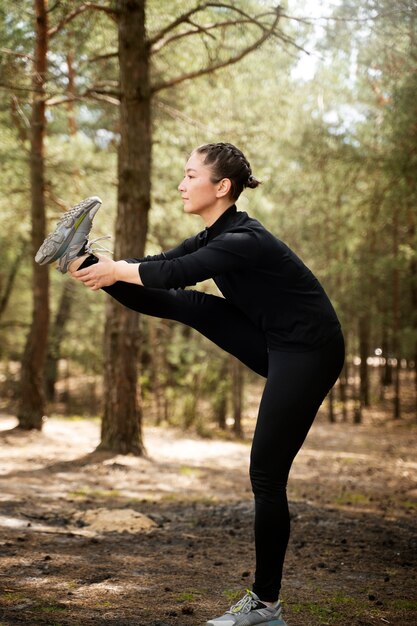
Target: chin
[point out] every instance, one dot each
(188, 209)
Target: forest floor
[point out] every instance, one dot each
(97, 539)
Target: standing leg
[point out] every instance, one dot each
(296, 386)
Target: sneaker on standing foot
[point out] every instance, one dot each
(250, 611)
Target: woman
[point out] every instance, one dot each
(275, 317)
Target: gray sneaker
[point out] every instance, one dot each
(249, 611)
(70, 237)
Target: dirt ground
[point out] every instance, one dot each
(90, 538)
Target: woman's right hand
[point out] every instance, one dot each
(101, 274)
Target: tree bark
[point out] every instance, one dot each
(413, 279)
(56, 336)
(121, 426)
(6, 292)
(343, 387)
(396, 312)
(157, 368)
(31, 407)
(220, 395)
(330, 407)
(63, 315)
(364, 353)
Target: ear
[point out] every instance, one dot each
(223, 187)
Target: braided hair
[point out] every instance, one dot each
(227, 161)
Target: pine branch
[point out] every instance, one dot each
(176, 114)
(88, 6)
(20, 120)
(111, 97)
(197, 30)
(185, 18)
(21, 55)
(266, 33)
(101, 57)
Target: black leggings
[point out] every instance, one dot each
(296, 385)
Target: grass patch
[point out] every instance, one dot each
(93, 493)
(410, 504)
(10, 597)
(189, 596)
(405, 605)
(189, 471)
(326, 615)
(183, 497)
(352, 497)
(232, 595)
(76, 418)
(340, 598)
(50, 608)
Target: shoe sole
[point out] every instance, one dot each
(274, 622)
(56, 244)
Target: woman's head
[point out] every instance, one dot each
(215, 175)
(228, 162)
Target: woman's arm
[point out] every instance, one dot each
(106, 272)
(226, 253)
(185, 247)
(232, 251)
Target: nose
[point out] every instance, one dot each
(181, 186)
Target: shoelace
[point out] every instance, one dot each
(89, 247)
(246, 604)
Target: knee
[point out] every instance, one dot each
(267, 484)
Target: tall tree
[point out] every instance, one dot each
(122, 418)
(121, 426)
(31, 406)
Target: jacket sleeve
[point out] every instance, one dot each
(225, 253)
(186, 247)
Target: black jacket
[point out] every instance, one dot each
(257, 273)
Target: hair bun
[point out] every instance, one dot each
(252, 182)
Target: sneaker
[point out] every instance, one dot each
(250, 611)
(70, 236)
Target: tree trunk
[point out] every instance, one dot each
(72, 122)
(386, 371)
(397, 390)
(157, 371)
(6, 292)
(237, 396)
(31, 407)
(220, 394)
(343, 386)
(63, 315)
(56, 336)
(330, 406)
(121, 426)
(364, 353)
(413, 278)
(396, 313)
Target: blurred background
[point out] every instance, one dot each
(109, 98)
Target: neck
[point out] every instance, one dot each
(213, 213)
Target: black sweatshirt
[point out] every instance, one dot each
(257, 273)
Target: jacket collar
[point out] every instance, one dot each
(220, 224)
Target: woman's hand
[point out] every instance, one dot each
(101, 274)
(107, 272)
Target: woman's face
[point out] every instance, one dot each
(198, 193)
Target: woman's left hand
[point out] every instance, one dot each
(101, 274)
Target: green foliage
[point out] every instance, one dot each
(336, 155)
